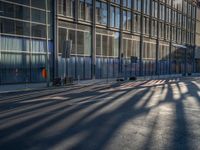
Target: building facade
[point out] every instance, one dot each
(197, 52)
(24, 40)
(110, 38)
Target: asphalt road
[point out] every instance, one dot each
(142, 115)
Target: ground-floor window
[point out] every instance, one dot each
(22, 59)
(163, 58)
(149, 57)
(79, 64)
(131, 48)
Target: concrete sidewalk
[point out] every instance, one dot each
(21, 87)
(10, 88)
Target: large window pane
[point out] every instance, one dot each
(38, 30)
(80, 42)
(70, 4)
(38, 16)
(38, 3)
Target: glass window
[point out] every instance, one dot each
(62, 37)
(101, 13)
(24, 2)
(88, 10)
(38, 30)
(139, 5)
(87, 43)
(125, 20)
(127, 3)
(71, 36)
(98, 44)
(22, 28)
(129, 21)
(124, 3)
(154, 28)
(117, 17)
(14, 11)
(98, 12)
(38, 16)
(107, 43)
(147, 7)
(198, 13)
(162, 12)
(38, 45)
(155, 9)
(8, 26)
(85, 10)
(22, 12)
(14, 44)
(80, 42)
(116, 44)
(15, 27)
(70, 6)
(130, 46)
(146, 25)
(66, 7)
(38, 4)
(104, 13)
(80, 36)
(112, 16)
(111, 46)
(116, 1)
(82, 9)
(136, 23)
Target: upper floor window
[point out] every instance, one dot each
(66, 7)
(168, 15)
(14, 11)
(147, 7)
(136, 23)
(169, 2)
(162, 12)
(114, 17)
(101, 13)
(127, 3)
(193, 11)
(126, 20)
(85, 10)
(138, 5)
(175, 3)
(198, 13)
(116, 1)
(146, 25)
(189, 9)
(154, 9)
(184, 7)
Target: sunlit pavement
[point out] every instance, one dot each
(154, 114)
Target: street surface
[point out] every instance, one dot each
(141, 115)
